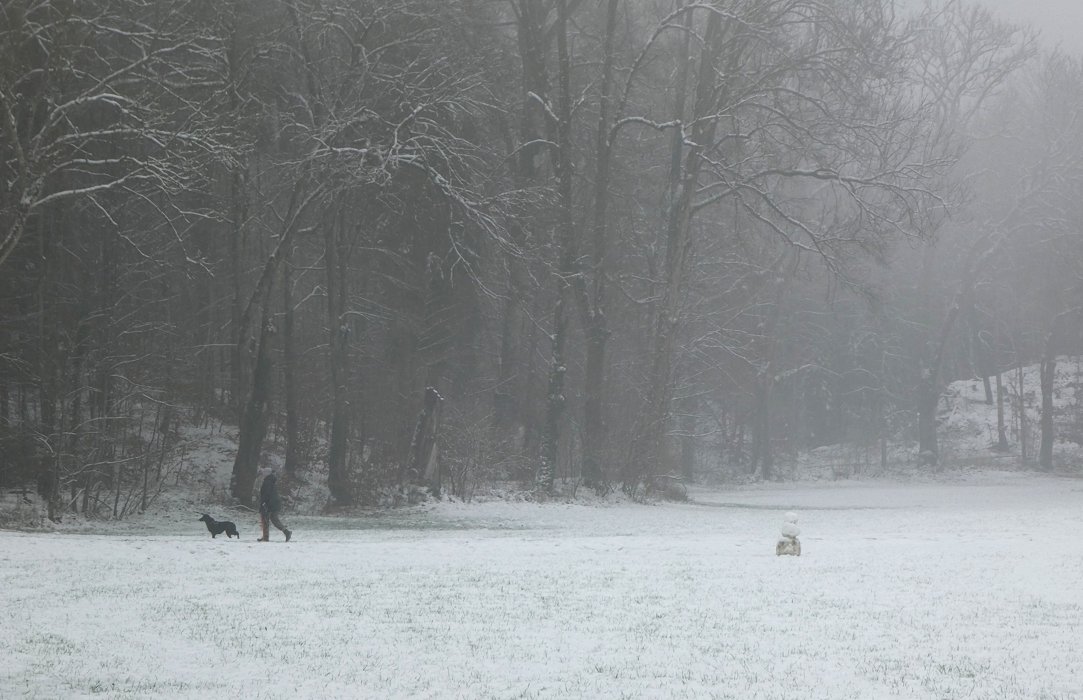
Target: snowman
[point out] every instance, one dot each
(787, 541)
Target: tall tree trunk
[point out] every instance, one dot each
(593, 402)
(1022, 410)
(979, 353)
(928, 399)
(684, 182)
(338, 481)
(289, 373)
(75, 388)
(1048, 383)
(48, 367)
(881, 422)
(932, 360)
(517, 365)
(593, 305)
(783, 271)
(763, 460)
(1002, 435)
(929, 382)
(1045, 450)
(506, 398)
(254, 418)
(238, 214)
(1048, 373)
(207, 381)
(532, 49)
(555, 400)
(688, 445)
(424, 455)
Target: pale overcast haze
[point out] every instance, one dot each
(548, 349)
(1060, 21)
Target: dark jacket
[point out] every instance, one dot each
(268, 495)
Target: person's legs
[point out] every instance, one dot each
(278, 523)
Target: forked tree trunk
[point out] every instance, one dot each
(424, 458)
(684, 181)
(980, 354)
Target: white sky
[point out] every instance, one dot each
(1060, 21)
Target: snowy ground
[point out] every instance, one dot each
(966, 589)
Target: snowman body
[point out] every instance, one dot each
(787, 542)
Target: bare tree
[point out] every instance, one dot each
(966, 55)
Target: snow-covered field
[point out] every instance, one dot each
(968, 589)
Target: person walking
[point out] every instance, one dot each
(269, 505)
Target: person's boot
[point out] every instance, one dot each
(288, 533)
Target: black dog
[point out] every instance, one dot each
(218, 527)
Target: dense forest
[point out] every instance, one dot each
(557, 243)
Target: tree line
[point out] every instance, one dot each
(453, 243)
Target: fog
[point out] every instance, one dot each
(1060, 22)
(597, 348)
(408, 247)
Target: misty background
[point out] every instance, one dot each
(1059, 22)
(421, 245)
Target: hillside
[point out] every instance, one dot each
(967, 432)
(968, 425)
